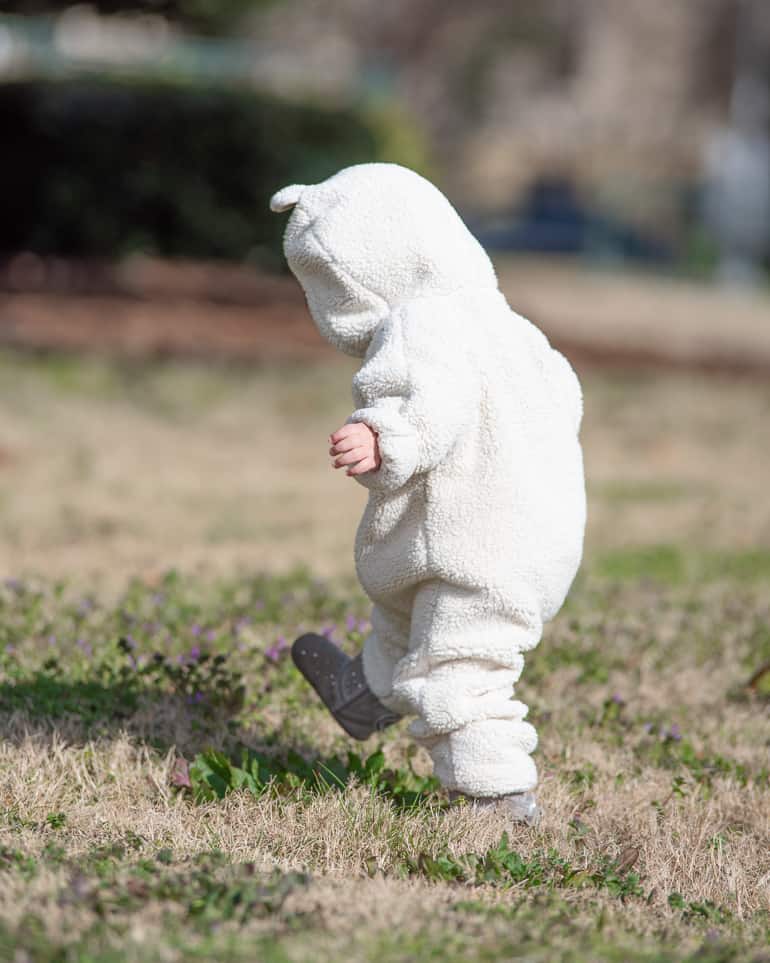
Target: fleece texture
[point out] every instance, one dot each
(474, 526)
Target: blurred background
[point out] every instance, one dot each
(164, 396)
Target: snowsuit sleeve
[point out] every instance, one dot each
(416, 390)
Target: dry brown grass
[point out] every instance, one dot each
(109, 788)
(624, 315)
(712, 848)
(109, 473)
(604, 796)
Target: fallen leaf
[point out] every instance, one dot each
(181, 774)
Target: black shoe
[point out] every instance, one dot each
(339, 681)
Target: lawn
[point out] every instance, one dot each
(171, 790)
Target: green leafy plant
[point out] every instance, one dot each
(212, 775)
(673, 752)
(698, 909)
(503, 866)
(56, 820)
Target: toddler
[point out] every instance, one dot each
(465, 433)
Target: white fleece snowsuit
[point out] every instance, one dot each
(473, 530)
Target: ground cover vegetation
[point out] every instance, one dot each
(171, 790)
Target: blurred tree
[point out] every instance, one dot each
(203, 16)
(104, 167)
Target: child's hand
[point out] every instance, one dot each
(355, 445)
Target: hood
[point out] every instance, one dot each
(370, 237)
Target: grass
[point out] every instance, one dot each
(110, 470)
(171, 790)
(674, 564)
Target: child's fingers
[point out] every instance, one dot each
(343, 432)
(346, 444)
(367, 464)
(352, 456)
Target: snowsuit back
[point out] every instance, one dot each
(474, 526)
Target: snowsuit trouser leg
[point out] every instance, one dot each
(453, 665)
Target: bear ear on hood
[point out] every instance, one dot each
(286, 198)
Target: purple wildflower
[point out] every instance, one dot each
(130, 641)
(363, 626)
(85, 647)
(351, 623)
(275, 650)
(328, 632)
(675, 732)
(195, 629)
(52, 640)
(210, 635)
(10, 649)
(648, 727)
(618, 699)
(195, 653)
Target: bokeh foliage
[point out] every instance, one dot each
(204, 16)
(103, 167)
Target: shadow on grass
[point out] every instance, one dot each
(76, 711)
(216, 754)
(208, 733)
(166, 702)
(92, 701)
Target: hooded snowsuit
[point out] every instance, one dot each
(474, 526)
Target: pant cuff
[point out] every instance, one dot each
(485, 759)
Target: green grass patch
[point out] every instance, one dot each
(672, 565)
(623, 492)
(503, 866)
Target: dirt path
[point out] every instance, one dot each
(146, 308)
